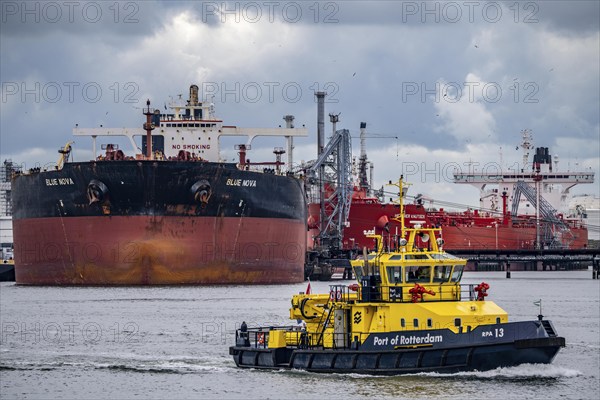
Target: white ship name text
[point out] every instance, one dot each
(241, 182)
(407, 340)
(59, 181)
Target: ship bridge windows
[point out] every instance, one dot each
(417, 273)
(189, 125)
(443, 256)
(416, 256)
(394, 274)
(441, 273)
(359, 272)
(457, 273)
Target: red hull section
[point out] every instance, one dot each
(459, 230)
(145, 250)
(504, 238)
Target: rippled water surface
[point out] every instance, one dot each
(172, 342)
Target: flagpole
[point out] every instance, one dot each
(539, 303)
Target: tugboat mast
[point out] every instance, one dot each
(402, 187)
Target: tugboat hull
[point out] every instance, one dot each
(400, 361)
(466, 353)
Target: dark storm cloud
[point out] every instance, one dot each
(392, 64)
(578, 17)
(83, 18)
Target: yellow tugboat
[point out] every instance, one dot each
(407, 313)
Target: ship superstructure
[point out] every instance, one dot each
(538, 173)
(7, 168)
(170, 213)
(511, 214)
(190, 131)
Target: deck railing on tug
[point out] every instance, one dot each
(401, 294)
(297, 337)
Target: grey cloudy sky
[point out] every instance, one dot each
(438, 83)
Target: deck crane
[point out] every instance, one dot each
(331, 176)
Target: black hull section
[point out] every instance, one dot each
(7, 273)
(157, 223)
(481, 358)
(156, 188)
(484, 348)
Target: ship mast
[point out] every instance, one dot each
(403, 188)
(148, 127)
(526, 145)
(363, 182)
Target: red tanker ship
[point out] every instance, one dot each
(508, 215)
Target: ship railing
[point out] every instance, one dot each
(401, 294)
(295, 336)
(258, 337)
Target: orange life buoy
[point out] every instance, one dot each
(260, 338)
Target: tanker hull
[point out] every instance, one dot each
(460, 231)
(157, 251)
(157, 223)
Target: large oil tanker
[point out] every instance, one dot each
(175, 214)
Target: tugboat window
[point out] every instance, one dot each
(457, 273)
(442, 273)
(457, 322)
(423, 274)
(429, 323)
(410, 274)
(394, 274)
(402, 323)
(358, 271)
(416, 323)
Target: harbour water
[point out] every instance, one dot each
(172, 342)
